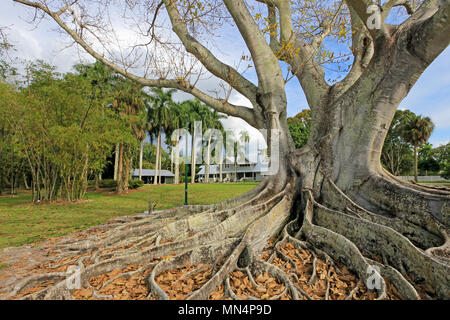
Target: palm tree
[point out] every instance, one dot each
(417, 131)
(159, 115)
(237, 149)
(212, 121)
(130, 105)
(245, 139)
(194, 109)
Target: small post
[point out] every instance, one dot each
(150, 207)
(185, 170)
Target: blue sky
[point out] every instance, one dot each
(429, 97)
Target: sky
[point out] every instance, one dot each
(429, 97)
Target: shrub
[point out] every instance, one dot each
(107, 183)
(135, 183)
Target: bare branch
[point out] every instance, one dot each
(301, 59)
(179, 83)
(216, 67)
(397, 3)
(360, 7)
(266, 63)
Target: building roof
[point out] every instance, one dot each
(151, 173)
(214, 169)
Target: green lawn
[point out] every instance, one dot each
(22, 222)
(437, 183)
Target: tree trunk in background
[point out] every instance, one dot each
(160, 165)
(116, 162)
(120, 186)
(155, 181)
(171, 159)
(141, 156)
(415, 164)
(127, 170)
(193, 152)
(177, 163)
(208, 160)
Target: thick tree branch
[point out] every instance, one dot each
(430, 37)
(361, 9)
(216, 67)
(223, 106)
(362, 49)
(310, 75)
(266, 63)
(387, 7)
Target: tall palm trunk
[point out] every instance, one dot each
(116, 162)
(171, 158)
(208, 160)
(415, 163)
(120, 170)
(155, 180)
(141, 156)
(126, 173)
(177, 163)
(160, 166)
(193, 151)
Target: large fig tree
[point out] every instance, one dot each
(332, 195)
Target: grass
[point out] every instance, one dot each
(438, 183)
(22, 222)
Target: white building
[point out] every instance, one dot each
(250, 171)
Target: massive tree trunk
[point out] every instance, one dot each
(330, 198)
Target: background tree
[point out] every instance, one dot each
(159, 115)
(212, 122)
(417, 131)
(397, 155)
(299, 127)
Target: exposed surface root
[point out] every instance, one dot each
(275, 242)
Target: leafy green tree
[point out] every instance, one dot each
(299, 127)
(427, 164)
(417, 131)
(60, 126)
(130, 104)
(213, 122)
(159, 116)
(397, 155)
